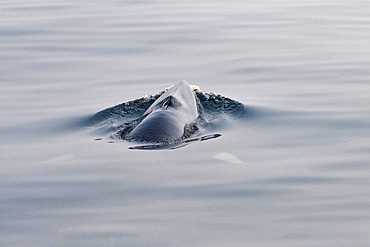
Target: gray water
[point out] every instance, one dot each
(293, 172)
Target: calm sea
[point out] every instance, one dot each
(294, 172)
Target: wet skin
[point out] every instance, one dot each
(167, 119)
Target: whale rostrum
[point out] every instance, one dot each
(169, 118)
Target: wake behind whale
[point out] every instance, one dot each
(170, 119)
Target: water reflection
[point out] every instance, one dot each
(300, 67)
(360, 165)
(303, 180)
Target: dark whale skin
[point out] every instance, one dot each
(168, 118)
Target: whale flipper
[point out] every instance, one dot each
(176, 145)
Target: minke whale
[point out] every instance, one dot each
(170, 118)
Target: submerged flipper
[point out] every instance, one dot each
(176, 144)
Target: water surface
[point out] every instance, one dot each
(294, 172)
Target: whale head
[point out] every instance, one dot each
(168, 117)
